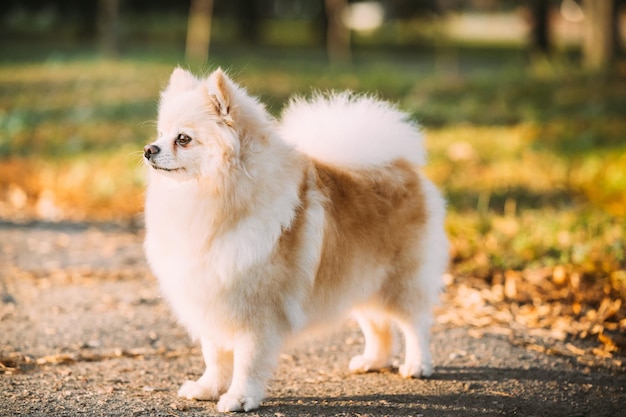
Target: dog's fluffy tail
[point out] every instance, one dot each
(352, 130)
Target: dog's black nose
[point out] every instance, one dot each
(150, 150)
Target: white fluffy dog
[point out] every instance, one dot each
(258, 229)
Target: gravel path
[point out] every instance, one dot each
(84, 331)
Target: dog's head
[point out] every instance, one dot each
(202, 126)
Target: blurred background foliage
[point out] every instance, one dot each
(523, 105)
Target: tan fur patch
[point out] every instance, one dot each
(373, 218)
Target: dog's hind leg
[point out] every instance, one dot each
(378, 344)
(416, 330)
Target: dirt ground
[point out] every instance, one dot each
(84, 331)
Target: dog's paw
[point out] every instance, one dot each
(410, 370)
(229, 402)
(360, 364)
(194, 390)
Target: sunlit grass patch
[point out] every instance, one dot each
(485, 168)
(516, 96)
(106, 186)
(55, 110)
(588, 244)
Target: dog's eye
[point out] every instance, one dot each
(182, 139)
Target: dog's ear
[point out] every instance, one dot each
(181, 80)
(219, 89)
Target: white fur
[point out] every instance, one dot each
(214, 228)
(351, 130)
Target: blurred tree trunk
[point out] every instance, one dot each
(108, 27)
(617, 35)
(248, 20)
(540, 26)
(337, 35)
(199, 30)
(319, 26)
(87, 28)
(598, 34)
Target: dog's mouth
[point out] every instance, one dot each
(166, 169)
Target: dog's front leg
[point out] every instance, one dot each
(216, 377)
(255, 355)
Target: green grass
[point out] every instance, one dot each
(532, 159)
